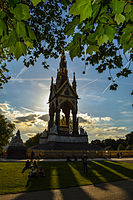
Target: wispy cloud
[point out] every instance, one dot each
(114, 79)
(21, 72)
(27, 109)
(127, 113)
(30, 79)
(84, 86)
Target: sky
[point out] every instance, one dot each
(102, 113)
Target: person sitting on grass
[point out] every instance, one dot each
(27, 166)
(32, 173)
(35, 164)
(41, 172)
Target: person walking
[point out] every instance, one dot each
(85, 168)
(27, 166)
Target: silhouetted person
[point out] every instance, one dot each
(32, 155)
(27, 166)
(118, 155)
(68, 159)
(85, 168)
(35, 164)
(41, 172)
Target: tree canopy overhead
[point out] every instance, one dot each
(30, 28)
(100, 33)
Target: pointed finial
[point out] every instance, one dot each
(51, 80)
(74, 76)
(74, 82)
(63, 57)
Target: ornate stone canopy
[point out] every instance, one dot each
(63, 99)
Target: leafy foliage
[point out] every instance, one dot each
(119, 144)
(30, 28)
(101, 32)
(33, 141)
(6, 130)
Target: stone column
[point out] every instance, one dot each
(51, 115)
(57, 116)
(74, 123)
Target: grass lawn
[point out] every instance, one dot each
(61, 175)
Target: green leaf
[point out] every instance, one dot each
(110, 32)
(128, 8)
(92, 48)
(35, 2)
(119, 18)
(13, 2)
(9, 40)
(71, 26)
(82, 8)
(117, 6)
(74, 49)
(2, 14)
(29, 44)
(99, 30)
(103, 39)
(129, 15)
(21, 12)
(20, 49)
(3, 28)
(20, 29)
(31, 34)
(91, 39)
(125, 38)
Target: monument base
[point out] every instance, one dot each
(64, 139)
(16, 152)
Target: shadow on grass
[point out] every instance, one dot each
(62, 175)
(115, 174)
(70, 180)
(93, 175)
(41, 183)
(118, 167)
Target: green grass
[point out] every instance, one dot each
(61, 175)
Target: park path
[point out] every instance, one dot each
(120, 190)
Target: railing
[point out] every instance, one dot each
(60, 154)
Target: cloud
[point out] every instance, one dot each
(101, 127)
(4, 107)
(30, 79)
(81, 120)
(127, 113)
(99, 132)
(115, 129)
(31, 122)
(21, 72)
(107, 119)
(95, 97)
(27, 109)
(44, 117)
(84, 86)
(30, 135)
(29, 118)
(87, 118)
(43, 86)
